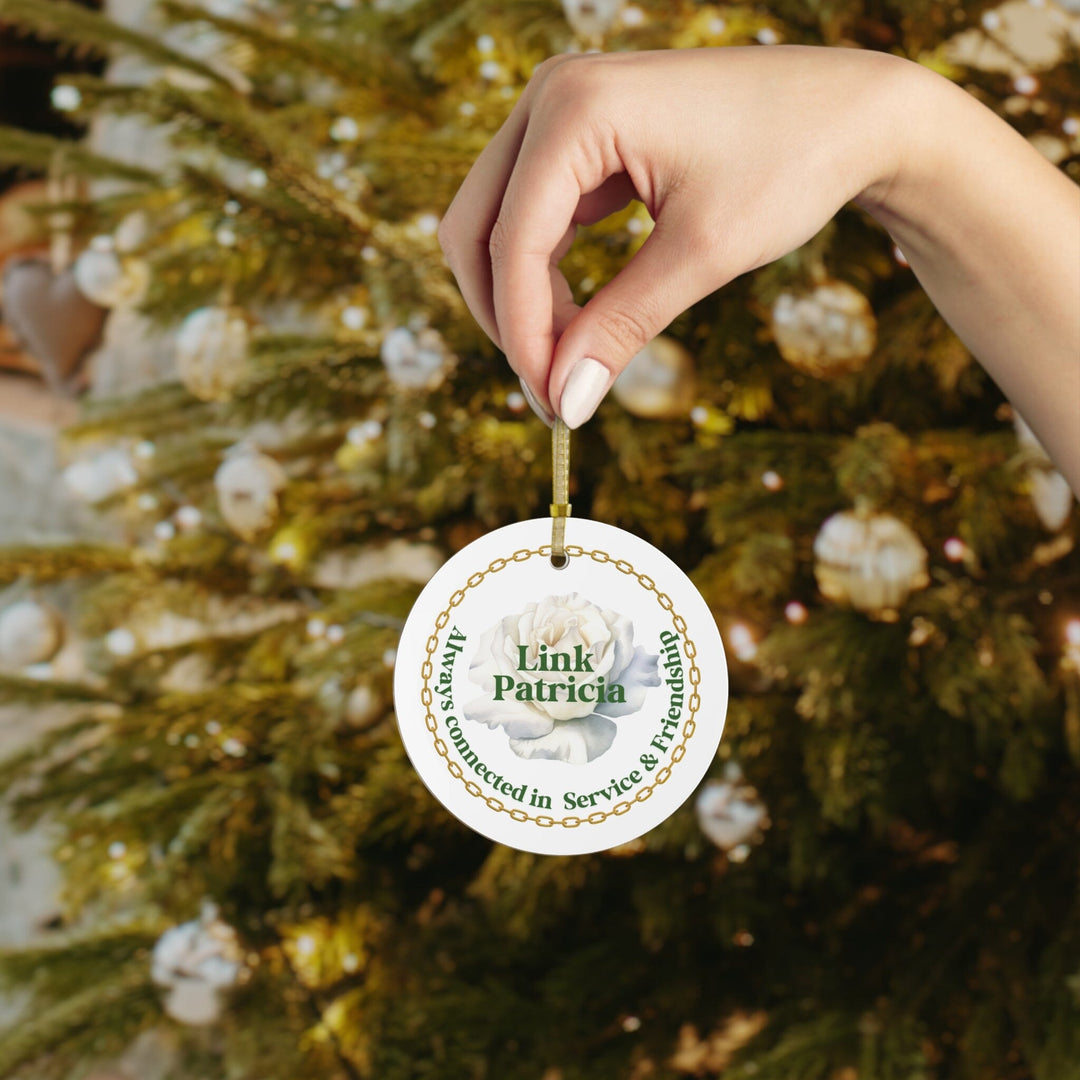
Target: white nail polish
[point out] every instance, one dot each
(584, 390)
(535, 405)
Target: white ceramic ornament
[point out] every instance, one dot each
(196, 962)
(658, 383)
(211, 351)
(829, 331)
(560, 711)
(592, 18)
(105, 278)
(729, 811)
(871, 562)
(247, 485)
(30, 633)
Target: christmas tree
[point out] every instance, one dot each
(879, 877)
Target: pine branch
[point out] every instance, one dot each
(81, 28)
(39, 152)
(375, 65)
(121, 999)
(45, 563)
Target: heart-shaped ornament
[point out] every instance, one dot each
(48, 315)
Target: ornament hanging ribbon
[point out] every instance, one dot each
(560, 491)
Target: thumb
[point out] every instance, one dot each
(661, 281)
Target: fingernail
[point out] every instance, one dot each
(584, 390)
(535, 405)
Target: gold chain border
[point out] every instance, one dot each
(546, 821)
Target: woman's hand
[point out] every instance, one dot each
(741, 155)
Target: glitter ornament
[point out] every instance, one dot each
(592, 18)
(417, 360)
(211, 351)
(870, 561)
(197, 962)
(826, 332)
(30, 633)
(110, 281)
(247, 485)
(658, 383)
(1050, 492)
(729, 811)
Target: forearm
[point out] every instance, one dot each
(992, 231)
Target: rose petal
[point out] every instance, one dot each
(642, 671)
(575, 741)
(518, 718)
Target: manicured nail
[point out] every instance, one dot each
(535, 405)
(584, 390)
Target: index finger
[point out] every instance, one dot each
(548, 181)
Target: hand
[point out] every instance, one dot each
(739, 155)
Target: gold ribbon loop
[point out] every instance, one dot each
(560, 491)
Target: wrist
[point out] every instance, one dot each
(910, 104)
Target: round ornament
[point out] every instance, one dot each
(658, 383)
(1050, 492)
(211, 351)
(197, 962)
(101, 476)
(415, 360)
(30, 633)
(826, 332)
(729, 811)
(247, 485)
(560, 710)
(592, 18)
(871, 562)
(106, 278)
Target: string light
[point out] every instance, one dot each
(772, 480)
(795, 613)
(955, 549)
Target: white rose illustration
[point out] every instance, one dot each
(599, 646)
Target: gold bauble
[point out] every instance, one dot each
(212, 351)
(658, 383)
(828, 331)
(871, 562)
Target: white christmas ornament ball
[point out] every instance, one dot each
(871, 562)
(120, 642)
(729, 812)
(196, 962)
(247, 486)
(414, 360)
(363, 706)
(592, 18)
(1051, 496)
(101, 476)
(30, 633)
(658, 382)
(1050, 492)
(826, 332)
(107, 279)
(211, 351)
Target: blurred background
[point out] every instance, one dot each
(244, 416)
